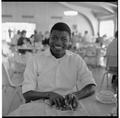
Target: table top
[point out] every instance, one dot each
(87, 107)
(95, 108)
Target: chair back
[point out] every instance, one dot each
(112, 61)
(11, 93)
(112, 64)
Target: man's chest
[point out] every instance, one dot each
(57, 73)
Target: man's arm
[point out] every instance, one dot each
(85, 92)
(34, 95)
(54, 98)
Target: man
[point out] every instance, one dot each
(57, 72)
(112, 62)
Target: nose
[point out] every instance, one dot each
(58, 41)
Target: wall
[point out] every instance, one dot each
(42, 12)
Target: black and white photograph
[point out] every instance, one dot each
(59, 58)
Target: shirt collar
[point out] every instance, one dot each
(48, 53)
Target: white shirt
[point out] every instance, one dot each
(15, 39)
(64, 75)
(112, 48)
(112, 54)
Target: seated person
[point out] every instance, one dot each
(112, 56)
(20, 40)
(25, 44)
(55, 75)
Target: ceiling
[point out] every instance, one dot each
(99, 9)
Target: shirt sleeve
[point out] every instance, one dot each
(84, 75)
(30, 76)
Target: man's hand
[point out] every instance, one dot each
(71, 101)
(56, 99)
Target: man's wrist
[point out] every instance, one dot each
(75, 94)
(46, 95)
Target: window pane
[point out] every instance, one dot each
(107, 27)
(9, 29)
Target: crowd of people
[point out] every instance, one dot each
(40, 40)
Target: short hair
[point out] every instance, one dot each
(60, 26)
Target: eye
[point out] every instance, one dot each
(64, 39)
(54, 38)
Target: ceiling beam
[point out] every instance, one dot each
(85, 12)
(104, 5)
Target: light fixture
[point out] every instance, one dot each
(70, 13)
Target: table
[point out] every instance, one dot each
(90, 107)
(95, 108)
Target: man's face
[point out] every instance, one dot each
(59, 41)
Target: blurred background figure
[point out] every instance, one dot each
(45, 40)
(15, 38)
(26, 42)
(32, 39)
(98, 39)
(86, 38)
(22, 37)
(5, 49)
(112, 59)
(10, 33)
(38, 36)
(21, 41)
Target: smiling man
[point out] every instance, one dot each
(56, 73)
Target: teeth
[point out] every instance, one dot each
(58, 47)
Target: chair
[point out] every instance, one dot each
(91, 56)
(111, 68)
(11, 93)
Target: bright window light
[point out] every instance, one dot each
(107, 27)
(14, 26)
(70, 13)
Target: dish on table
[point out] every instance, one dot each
(106, 97)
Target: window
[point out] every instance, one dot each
(107, 27)
(9, 29)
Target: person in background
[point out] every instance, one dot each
(23, 36)
(38, 37)
(55, 75)
(103, 40)
(26, 42)
(32, 39)
(5, 49)
(45, 41)
(86, 38)
(112, 59)
(21, 41)
(15, 38)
